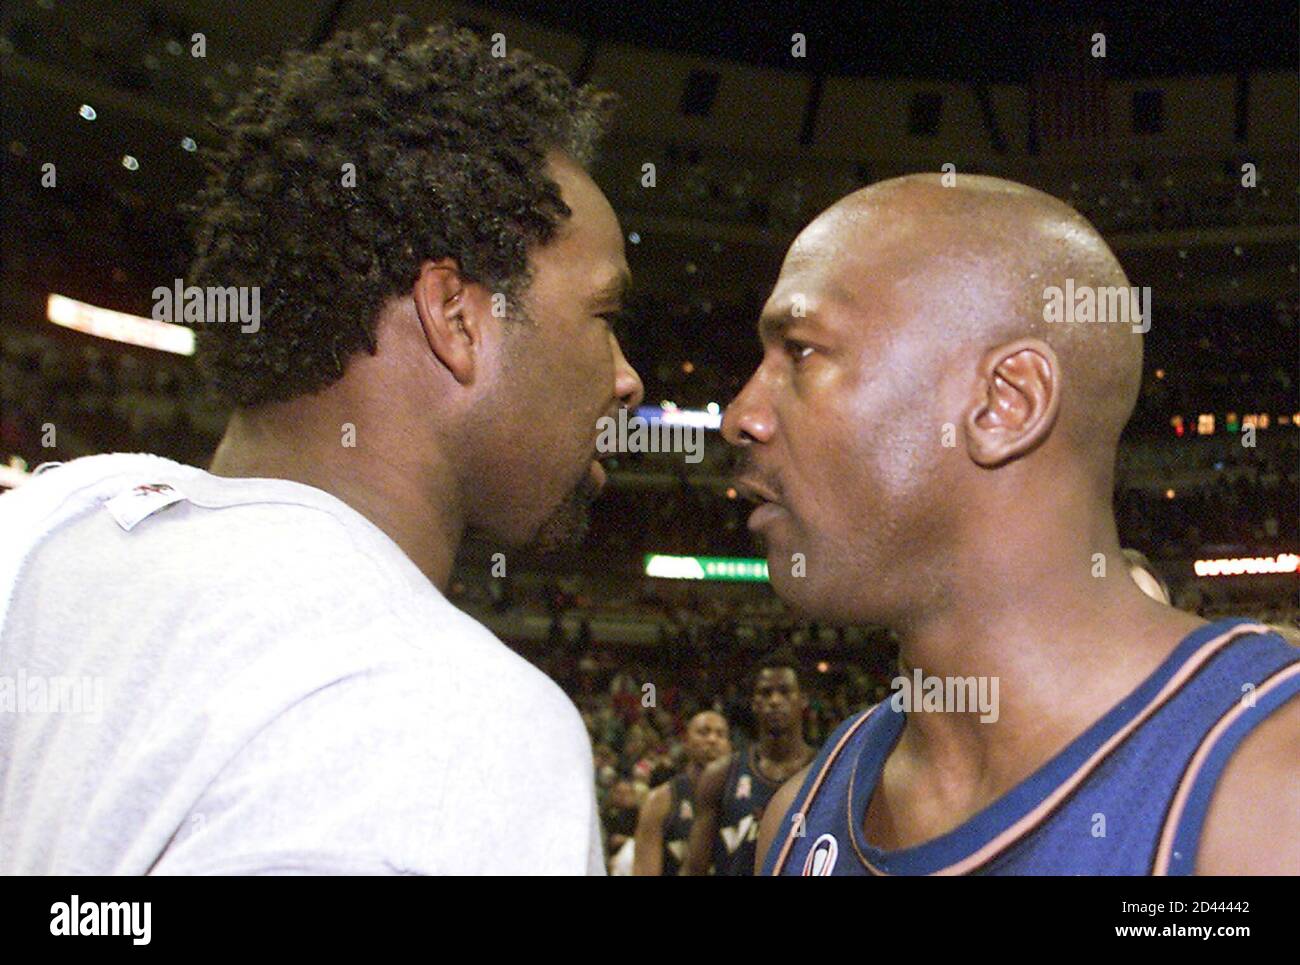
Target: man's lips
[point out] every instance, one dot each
(753, 490)
(767, 509)
(765, 514)
(597, 468)
(598, 458)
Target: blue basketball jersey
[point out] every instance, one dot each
(677, 822)
(744, 798)
(1127, 797)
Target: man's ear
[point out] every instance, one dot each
(449, 308)
(1018, 395)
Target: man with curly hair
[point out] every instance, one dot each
(279, 684)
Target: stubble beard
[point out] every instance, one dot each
(567, 525)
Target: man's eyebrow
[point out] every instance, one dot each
(775, 325)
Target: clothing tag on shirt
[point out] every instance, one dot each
(141, 502)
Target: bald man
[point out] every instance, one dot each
(1146, 576)
(942, 456)
(664, 823)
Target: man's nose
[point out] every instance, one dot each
(627, 384)
(749, 417)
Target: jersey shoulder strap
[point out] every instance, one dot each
(796, 817)
(1185, 819)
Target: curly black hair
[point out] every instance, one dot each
(449, 145)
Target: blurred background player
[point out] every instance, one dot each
(668, 811)
(732, 792)
(618, 818)
(1146, 576)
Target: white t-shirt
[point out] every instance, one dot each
(246, 676)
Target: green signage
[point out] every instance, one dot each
(734, 569)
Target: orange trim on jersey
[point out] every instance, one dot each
(1038, 814)
(812, 793)
(1165, 850)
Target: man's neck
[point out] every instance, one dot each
(402, 501)
(1060, 650)
(782, 747)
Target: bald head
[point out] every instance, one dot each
(914, 396)
(984, 255)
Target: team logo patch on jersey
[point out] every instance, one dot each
(746, 829)
(155, 488)
(821, 859)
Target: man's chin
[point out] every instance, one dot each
(567, 525)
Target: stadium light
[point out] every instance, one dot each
(694, 418)
(119, 326)
(1236, 566)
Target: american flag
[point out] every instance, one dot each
(1068, 88)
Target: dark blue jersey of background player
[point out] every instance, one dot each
(668, 810)
(732, 792)
(676, 824)
(745, 796)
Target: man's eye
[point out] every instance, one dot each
(797, 350)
